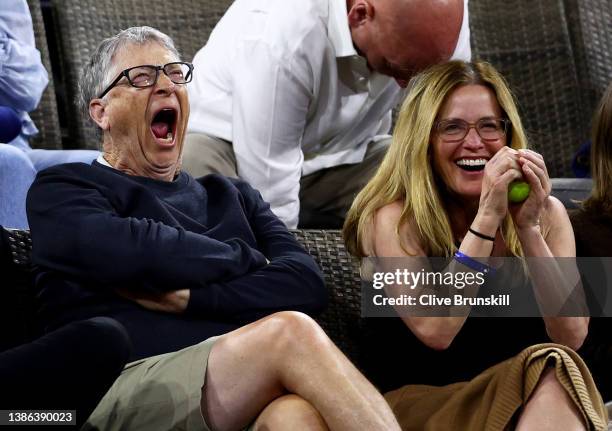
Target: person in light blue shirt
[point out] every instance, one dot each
(23, 79)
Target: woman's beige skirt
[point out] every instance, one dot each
(491, 400)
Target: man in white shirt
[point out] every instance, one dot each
(295, 96)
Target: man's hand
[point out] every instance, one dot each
(169, 302)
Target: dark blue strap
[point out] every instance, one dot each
(473, 263)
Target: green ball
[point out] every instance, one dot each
(518, 191)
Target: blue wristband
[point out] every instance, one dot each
(473, 263)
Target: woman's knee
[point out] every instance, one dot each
(550, 405)
(548, 383)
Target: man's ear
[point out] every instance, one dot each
(360, 13)
(97, 112)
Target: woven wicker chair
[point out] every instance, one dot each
(529, 42)
(45, 116)
(590, 24)
(82, 24)
(341, 320)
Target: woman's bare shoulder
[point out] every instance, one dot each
(554, 214)
(382, 233)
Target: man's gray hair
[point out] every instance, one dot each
(98, 72)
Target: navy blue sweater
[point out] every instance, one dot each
(96, 229)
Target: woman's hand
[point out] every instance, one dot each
(527, 215)
(499, 172)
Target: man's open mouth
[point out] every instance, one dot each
(471, 165)
(163, 125)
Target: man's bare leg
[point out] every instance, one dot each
(288, 353)
(290, 412)
(550, 408)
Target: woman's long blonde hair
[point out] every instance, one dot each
(601, 157)
(406, 171)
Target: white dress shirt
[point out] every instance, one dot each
(283, 82)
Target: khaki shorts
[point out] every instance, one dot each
(162, 392)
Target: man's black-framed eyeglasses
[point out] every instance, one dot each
(146, 75)
(489, 129)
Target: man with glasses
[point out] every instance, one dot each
(188, 267)
(296, 97)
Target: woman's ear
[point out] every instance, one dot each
(97, 112)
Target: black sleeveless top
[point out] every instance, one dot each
(392, 356)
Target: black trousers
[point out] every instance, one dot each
(68, 369)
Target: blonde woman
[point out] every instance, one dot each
(442, 190)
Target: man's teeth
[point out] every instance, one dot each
(471, 162)
(169, 136)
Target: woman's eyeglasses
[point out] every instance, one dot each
(489, 129)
